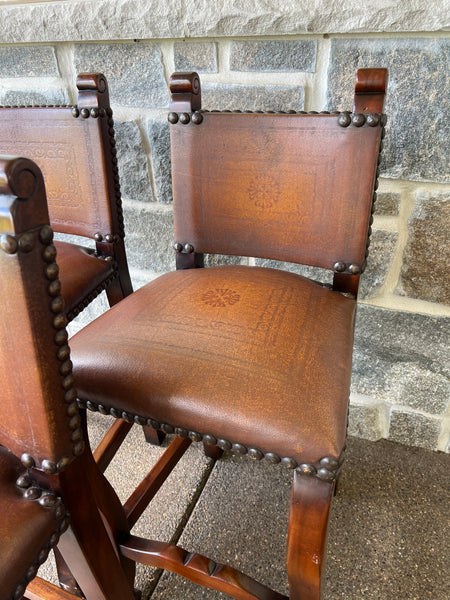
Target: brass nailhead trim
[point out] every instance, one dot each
(327, 468)
(48, 500)
(51, 272)
(183, 248)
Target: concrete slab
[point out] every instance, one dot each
(388, 535)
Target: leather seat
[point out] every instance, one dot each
(74, 260)
(282, 391)
(30, 524)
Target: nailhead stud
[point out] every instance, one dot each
(239, 449)
(344, 120)
(339, 266)
(8, 244)
(27, 461)
(46, 234)
(224, 444)
(197, 118)
(255, 454)
(358, 119)
(372, 119)
(307, 469)
(325, 475)
(272, 457)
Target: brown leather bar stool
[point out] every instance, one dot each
(252, 360)
(75, 148)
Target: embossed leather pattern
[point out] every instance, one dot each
(256, 356)
(67, 152)
(288, 187)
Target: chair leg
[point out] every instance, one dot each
(66, 579)
(212, 451)
(153, 436)
(308, 519)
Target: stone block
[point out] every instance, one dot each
(134, 71)
(159, 140)
(28, 61)
(416, 387)
(271, 17)
(195, 56)
(149, 237)
(220, 96)
(381, 254)
(100, 20)
(367, 420)
(282, 56)
(387, 203)
(417, 141)
(314, 273)
(392, 346)
(139, 19)
(28, 97)
(426, 258)
(133, 164)
(414, 429)
(216, 260)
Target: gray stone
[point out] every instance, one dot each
(271, 17)
(28, 61)
(134, 71)
(426, 258)
(17, 97)
(417, 134)
(387, 203)
(367, 421)
(282, 56)
(220, 96)
(414, 429)
(394, 344)
(149, 237)
(195, 56)
(215, 260)
(159, 140)
(382, 249)
(139, 19)
(314, 273)
(411, 385)
(78, 20)
(133, 167)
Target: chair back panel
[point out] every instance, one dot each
(291, 187)
(39, 418)
(71, 155)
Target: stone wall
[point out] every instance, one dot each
(279, 60)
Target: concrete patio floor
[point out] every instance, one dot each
(389, 534)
